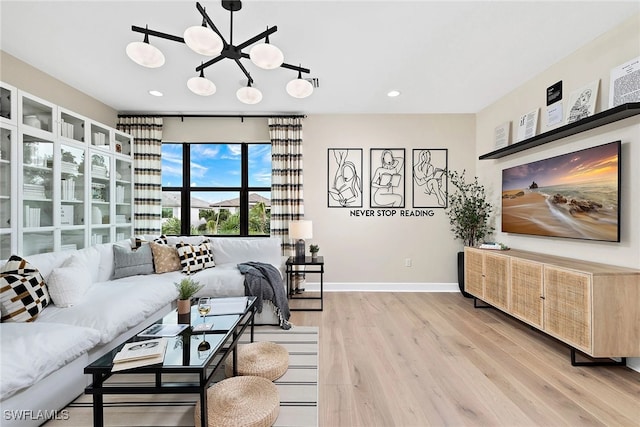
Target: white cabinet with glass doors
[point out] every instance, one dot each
(57, 186)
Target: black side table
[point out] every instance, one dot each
(311, 266)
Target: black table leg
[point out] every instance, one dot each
(98, 401)
(204, 421)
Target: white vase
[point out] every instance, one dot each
(96, 215)
(32, 121)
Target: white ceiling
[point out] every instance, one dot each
(444, 57)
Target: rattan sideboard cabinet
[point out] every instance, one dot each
(592, 307)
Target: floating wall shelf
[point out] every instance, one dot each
(605, 117)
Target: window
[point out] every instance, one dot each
(222, 188)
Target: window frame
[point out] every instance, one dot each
(244, 189)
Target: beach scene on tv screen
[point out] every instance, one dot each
(574, 195)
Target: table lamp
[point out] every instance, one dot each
(300, 230)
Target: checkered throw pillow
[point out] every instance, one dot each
(195, 257)
(23, 292)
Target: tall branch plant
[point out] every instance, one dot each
(468, 209)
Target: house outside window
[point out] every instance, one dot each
(216, 189)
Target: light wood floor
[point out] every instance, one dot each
(417, 359)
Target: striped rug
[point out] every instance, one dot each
(298, 389)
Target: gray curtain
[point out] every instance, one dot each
(147, 152)
(287, 201)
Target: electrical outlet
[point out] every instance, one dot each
(407, 262)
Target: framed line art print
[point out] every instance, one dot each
(344, 178)
(387, 177)
(429, 177)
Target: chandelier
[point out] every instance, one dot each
(207, 40)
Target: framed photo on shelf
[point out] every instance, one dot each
(66, 215)
(502, 135)
(582, 102)
(528, 125)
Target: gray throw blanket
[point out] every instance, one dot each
(263, 281)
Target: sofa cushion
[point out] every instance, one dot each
(106, 266)
(194, 258)
(46, 262)
(228, 250)
(165, 258)
(68, 283)
(87, 257)
(223, 281)
(128, 262)
(116, 306)
(23, 292)
(31, 351)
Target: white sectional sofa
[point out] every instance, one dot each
(42, 362)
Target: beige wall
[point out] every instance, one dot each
(363, 251)
(31, 80)
(200, 129)
(372, 250)
(594, 61)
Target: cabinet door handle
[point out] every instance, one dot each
(541, 296)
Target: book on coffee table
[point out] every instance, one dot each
(228, 305)
(163, 330)
(140, 353)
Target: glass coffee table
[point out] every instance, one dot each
(200, 354)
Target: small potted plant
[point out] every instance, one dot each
(469, 213)
(314, 251)
(187, 288)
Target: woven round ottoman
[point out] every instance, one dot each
(241, 401)
(262, 359)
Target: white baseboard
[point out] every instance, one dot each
(382, 287)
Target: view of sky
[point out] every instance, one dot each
(216, 165)
(596, 164)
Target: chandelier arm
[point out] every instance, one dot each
(210, 62)
(244, 70)
(260, 36)
(157, 34)
(283, 65)
(296, 68)
(206, 17)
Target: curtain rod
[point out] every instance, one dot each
(239, 116)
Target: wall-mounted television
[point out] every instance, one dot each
(574, 195)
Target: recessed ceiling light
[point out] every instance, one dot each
(155, 93)
(393, 93)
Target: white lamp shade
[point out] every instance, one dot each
(201, 86)
(203, 40)
(299, 88)
(302, 229)
(266, 56)
(249, 95)
(144, 54)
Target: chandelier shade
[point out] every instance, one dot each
(201, 85)
(266, 55)
(207, 40)
(142, 53)
(203, 40)
(249, 95)
(299, 88)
